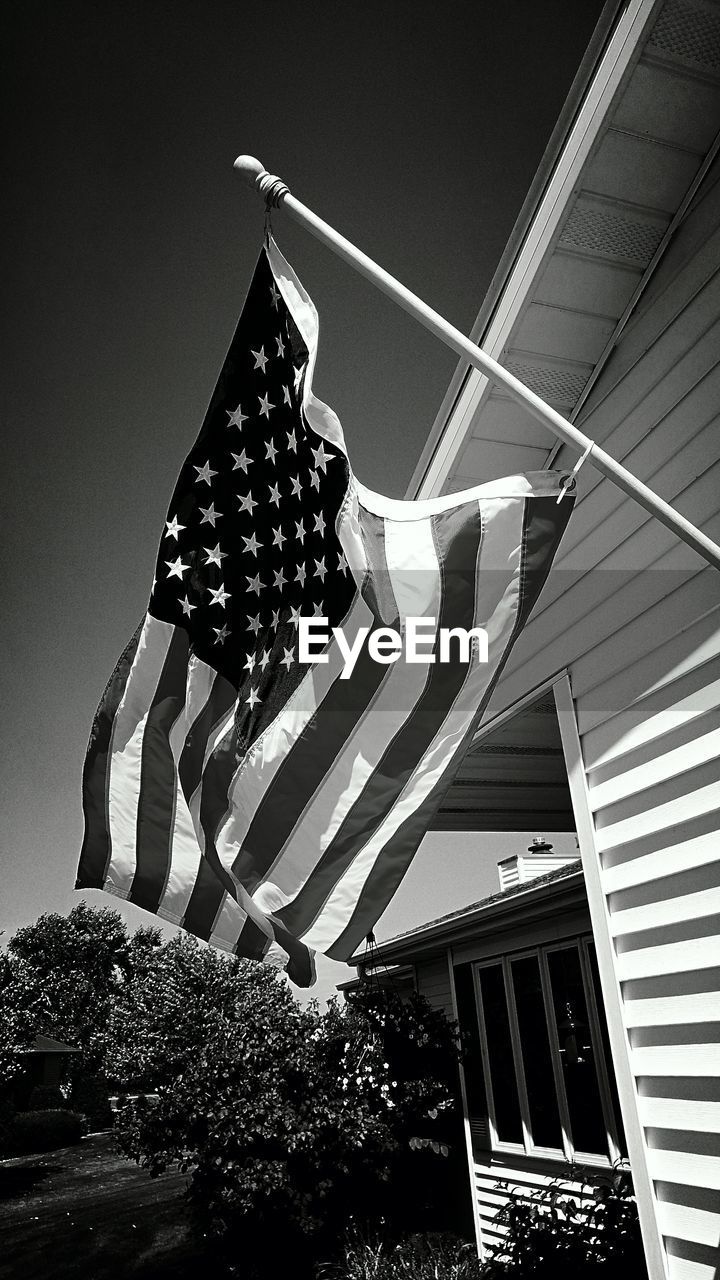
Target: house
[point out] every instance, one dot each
(45, 1065)
(518, 973)
(607, 303)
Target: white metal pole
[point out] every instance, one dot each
(276, 194)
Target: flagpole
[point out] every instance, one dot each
(276, 195)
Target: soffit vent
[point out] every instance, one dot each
(689, 32)
(559, 386)
(611, 235)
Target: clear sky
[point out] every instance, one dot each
(415, 128)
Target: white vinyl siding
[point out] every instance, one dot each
(635, 618)
(433, 982)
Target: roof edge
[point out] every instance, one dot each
(607, 22)
(568, 880)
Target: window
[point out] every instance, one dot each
(536, 1073)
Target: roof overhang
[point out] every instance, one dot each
(633, 140)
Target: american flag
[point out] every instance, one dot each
(262, 803)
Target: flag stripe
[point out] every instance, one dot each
(415, 579)
(260, 766)
(323, 737)
(542, 528)
(380, 866)
(156, 804)
(126, 750)
(95, 852)
(457, 536)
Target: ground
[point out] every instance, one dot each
(87, 1211)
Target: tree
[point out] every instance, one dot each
(289, 1121)
(62, 976)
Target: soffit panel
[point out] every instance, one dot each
(640, 170)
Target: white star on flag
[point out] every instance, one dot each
(265, 406)
(278, 537)
(288, 658)
(187, 607)
(254, 623)
(319, 524)
(241, 460)
(219, 595)
(270, 451)
(204, 473)
(222, 633)
(320, 569)
(286, 397)
(210, 515)
(247, 503)
(172, 528)
(260, 359)
(253, 698)
(292, 440)
(252, 546)
(214, 555)
(254, 584)
(177, 568)
(274, 494)
(321, 458)
(236, 417)
(280, 579)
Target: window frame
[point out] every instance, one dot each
(528, 1147)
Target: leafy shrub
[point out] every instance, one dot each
(419, 1257)
(552, 1235)
(290, 1121)
(45, 1130)
(89, 1094)
(45, 1097)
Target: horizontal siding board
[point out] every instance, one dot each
(676, 704)
(677, 647)
(667, 1011)
(673, 957)
(689, 906)
(660, 768)
(678, 1113)
(686, 1269)
(685, 1168)
(623, 629)
(671, 859)
(702, 1226)
(677, 1059)
(667, 355)
(654, 459)
(658, 817)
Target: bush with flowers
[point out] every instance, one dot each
(292, 1122)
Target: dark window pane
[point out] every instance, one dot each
(539, 1079)
(502, 1067)
(602, 1022)
(576, 1054)
(472, 1057)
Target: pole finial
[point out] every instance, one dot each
(272, 188)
